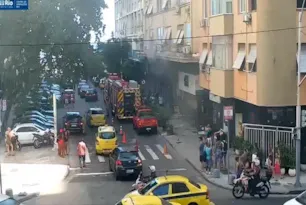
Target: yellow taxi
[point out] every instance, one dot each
(144, 200)
(102, 83)
(95, 117)
(106, 140)
(175, 188)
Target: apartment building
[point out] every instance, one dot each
(247, 59)
(168, 46)
(129, 23)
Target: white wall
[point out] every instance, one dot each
(193, 83)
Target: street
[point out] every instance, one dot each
(95, 184)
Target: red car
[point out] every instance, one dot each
(145, 121)
(68, 96)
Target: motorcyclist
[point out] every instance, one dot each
(254, 175)
(151, 176)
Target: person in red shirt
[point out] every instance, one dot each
(82, 152)
(61, 143)
(66, 137)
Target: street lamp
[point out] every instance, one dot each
(298, 103)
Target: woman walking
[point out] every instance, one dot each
(61, 143)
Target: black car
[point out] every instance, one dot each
(124, 161)
(73, 121)
(91, 95)
(83, 90)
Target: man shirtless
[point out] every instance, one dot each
(8, 141)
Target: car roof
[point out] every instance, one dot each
(73, 113)
(68, 90)
(3, 197)
(172, 178)
(106, 129)
(95, 109)
(25, 124)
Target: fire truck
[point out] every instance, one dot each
(124, 98)
(112, 77)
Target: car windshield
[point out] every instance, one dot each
(107, 135)
(146, 115)
(97, 112)
(73, 118)
(129, 155)
(9, 202)
(90, 91)
(148, 187)
(85, 87)
(68, 92)
(301, 198)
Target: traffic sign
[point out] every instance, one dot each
(228, 112)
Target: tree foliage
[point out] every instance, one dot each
(59, 30)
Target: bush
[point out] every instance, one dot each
(287, 156)
(162, 114)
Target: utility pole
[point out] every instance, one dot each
(55, 122)
(298, 104)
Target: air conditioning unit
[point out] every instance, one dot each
(247, 18)
(204, 22)
(177, 9)
(186, 49)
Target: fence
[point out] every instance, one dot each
(266, 135)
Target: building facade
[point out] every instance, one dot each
(247, 60)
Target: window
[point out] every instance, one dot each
(187, 33)
(242, 6)
(204, 7)
(159, 5)
(129, 155)
(150, 9)
(253, 5)
(251, 59)
(194, 184)
(303, 58)
(9, 202)
(165, 34)
(148, 187)
(160, 33)
(161, 190)
(181, 37)
(222, 52)
(299, 4)
(107, 135)
(186, 81)
(169, 32)
(166, 4)
(32, 129)
(23, 129)
(203, 56)
(97, 112)
(179, 188)
(240, 58)
(221, 7)
(209, 61)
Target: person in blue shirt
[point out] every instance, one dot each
(202, 154)
(208, 153)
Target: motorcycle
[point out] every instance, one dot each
(241, 187)
(141, 180)
(39, 140)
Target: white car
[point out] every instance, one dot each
(25, 132)
(6, 200)
(298, 200)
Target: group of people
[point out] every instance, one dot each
(10, 141)
(62, 141)
(213, 149)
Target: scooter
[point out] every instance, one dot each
(18, 144)
(39, 140)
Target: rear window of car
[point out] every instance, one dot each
(301, 198)
(68, 92)
(90, 91)
(129, 155)
(85, 87)
(107, 135)
(194, 184)
(73, 118)
(97, 112)
(146, 115)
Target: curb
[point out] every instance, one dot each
(293, 192)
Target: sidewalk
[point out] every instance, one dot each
(187, 143)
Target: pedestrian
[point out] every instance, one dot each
(8, 142)
(218, 152)
(66, 138)
(202, 154)
(239, 167)
(208, 153)
(61, 143)
(82, 152)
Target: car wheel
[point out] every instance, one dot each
(36, 144)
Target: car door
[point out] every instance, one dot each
(162, 191)
(25, 135)
(180, 193)
(114, 157)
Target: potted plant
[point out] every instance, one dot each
(292, 170)
(287, 159)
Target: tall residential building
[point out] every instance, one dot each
(247, 52)
(168, 46)
(129, 22)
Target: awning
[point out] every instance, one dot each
(169, 30)
(150, 9)
(209, 59)
(239, 59)
(252, 54)
(177, 36)
(203, 56)
(165, 4)
(303, 59)
(180, 39)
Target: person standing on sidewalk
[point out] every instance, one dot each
(8, 142)
(82, 152)
(208, 153)
(202, 154)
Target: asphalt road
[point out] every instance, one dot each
(95, 185)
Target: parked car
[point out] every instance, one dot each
(298, 200)
(83, 90)
(81, 83)
(73, 121)
(68, 95)
(47, 125)
(91, 95)
(25, 132)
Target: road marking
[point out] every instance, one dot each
(161, 149)
(177, 170)
(151, 152)
(101, 158)
(141, 155)
(87, 157)
(94, 174)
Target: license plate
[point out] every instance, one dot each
(73, 125)
(129, 171)
(148, 129)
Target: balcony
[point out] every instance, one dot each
(221, 24)
(176, 53)
(222, 82)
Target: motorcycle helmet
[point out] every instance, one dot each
(152, 168)
(256, 162)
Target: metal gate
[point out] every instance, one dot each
(267, 135)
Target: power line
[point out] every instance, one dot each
(147, 40)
